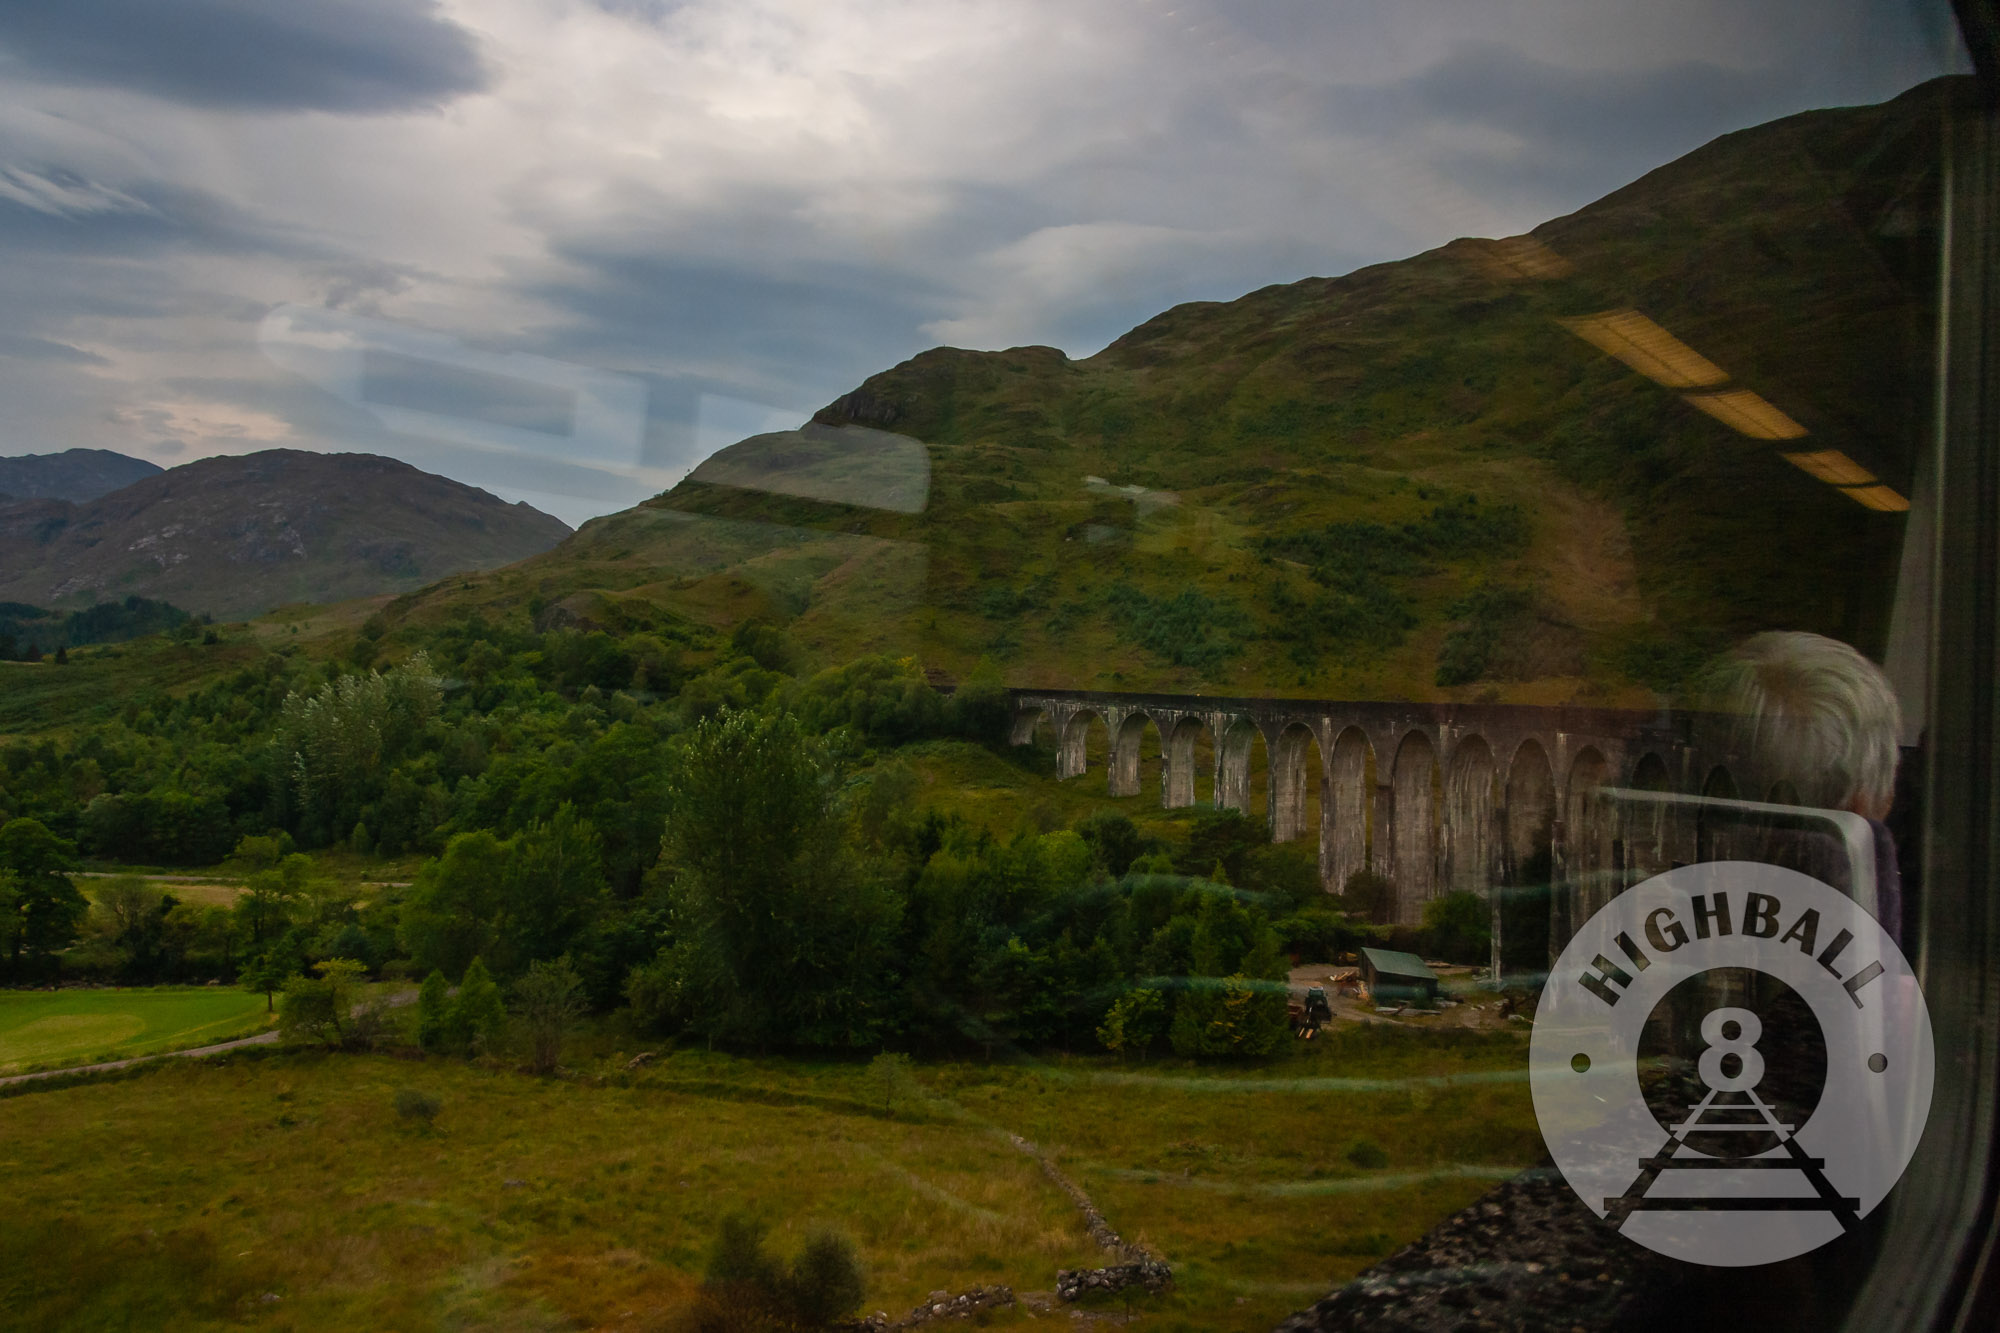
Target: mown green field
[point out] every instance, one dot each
(286, 1193)
(49, 1029)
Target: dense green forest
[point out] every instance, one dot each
(731, 844)
(28, 632)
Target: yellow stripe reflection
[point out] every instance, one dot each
(1881, 498)
(1743, 411)
(1832, 467)
(1647, 348)
(1521, 257)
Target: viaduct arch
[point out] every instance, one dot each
(1497, 799)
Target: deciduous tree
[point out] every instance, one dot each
(547, 1000)
(321, 1008)
(782, 938)
(44, 906)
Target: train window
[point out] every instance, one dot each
(1262, 665)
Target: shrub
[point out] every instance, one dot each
(1661, 661)
(1115, 839)
(882, 811)
(1189, 629)
(478, 1016)
(1225, 839)
(321, 1008)
(886, 700)
(744, 1287)
(433, 1011)
(1136, 1022)
(737, 1255)
(1368, 1155)
(547, 1000)
(1459, 927)
(417, 1108)
(767, 645)
(889, 1076)
(1487, 618)
(657, 990)
(372, 1026)
(1236, 1018)
(1364, 568)
(1369, 896)
(826, 1283)
(1316, 933)
(980, 709)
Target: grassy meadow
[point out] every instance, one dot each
(283, 1191)
(50, 1029)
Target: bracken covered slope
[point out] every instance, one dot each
(1411, 481)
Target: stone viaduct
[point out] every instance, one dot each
(1435, 798)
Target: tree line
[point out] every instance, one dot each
(743, 860)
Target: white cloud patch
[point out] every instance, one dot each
(60, 194)
(1027, 283)
(203, 428)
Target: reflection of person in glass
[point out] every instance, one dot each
(1815, 716)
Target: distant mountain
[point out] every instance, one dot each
(74, 474)
(1422, 479)
(237, 536)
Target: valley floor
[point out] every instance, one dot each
(51, 1029)
(282, 1190)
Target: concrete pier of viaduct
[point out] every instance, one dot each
(1434, 797)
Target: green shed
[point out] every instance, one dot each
(1398, 978)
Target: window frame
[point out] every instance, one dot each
(1937, 1264)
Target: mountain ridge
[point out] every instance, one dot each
(74, 474)
(236, 535)
(1287, 469)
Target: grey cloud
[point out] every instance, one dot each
(353, 56)
(28, 348)
(816, 329)
(1641, 116)
(1565, 136)
(652, 11)
(747, 298)
(358, 284)
(139, 219)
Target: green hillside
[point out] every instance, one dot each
(1411, 481)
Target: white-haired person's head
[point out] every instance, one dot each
(1813, 713)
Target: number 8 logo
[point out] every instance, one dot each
(1741, 1043)
(1848, 1055)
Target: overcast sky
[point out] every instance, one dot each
(563, 248)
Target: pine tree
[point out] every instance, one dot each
(433, 1012)
(478, 1015)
